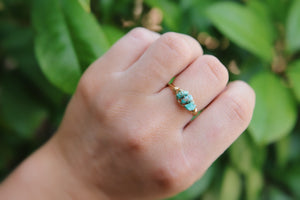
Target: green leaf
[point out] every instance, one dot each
(277, 194)
(275, 112)
(293, 74)
(244, 27)
(259, 7)
(87, 36)
(254, 184)
(262, 10)
(113, 33)
(21, 112)
(293, 27)
(292, 180)
(283, 148)
(194, 12)
(86, 4)
(66, 47)
(17, 42)
(53, 45)
(294, 146)
(106, 8)
(279, 9)
(245, 155)
(231, 185)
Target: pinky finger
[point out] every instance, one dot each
(211, 133)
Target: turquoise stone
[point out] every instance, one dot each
(190, 107)
(182, 93)
(187, 99)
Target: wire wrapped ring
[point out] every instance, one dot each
(184, 99)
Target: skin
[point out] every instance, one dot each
(124, 136)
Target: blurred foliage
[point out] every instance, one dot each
(45, 46)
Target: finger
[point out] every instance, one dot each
(165, 58)
(127, 50)
(218, 125)
(204, 80)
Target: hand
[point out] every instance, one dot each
(124, 136)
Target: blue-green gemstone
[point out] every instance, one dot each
(187, 99)
(182, 101)
(190, 107)
(181, 94)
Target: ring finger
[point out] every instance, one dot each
(204, 79)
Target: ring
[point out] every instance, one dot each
(184, 99)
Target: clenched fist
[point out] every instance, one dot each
(124, 136)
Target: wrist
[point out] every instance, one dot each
(46, 175)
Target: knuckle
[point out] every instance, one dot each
(109, 108)
(177, 45)
(140, 137)
(238, 108)
(138, 32)
(104, 107)
(165, 180)
(90, 85)
(169, 181)
(142, 34)
(134, 144)
(218, 70)
(85, 89)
